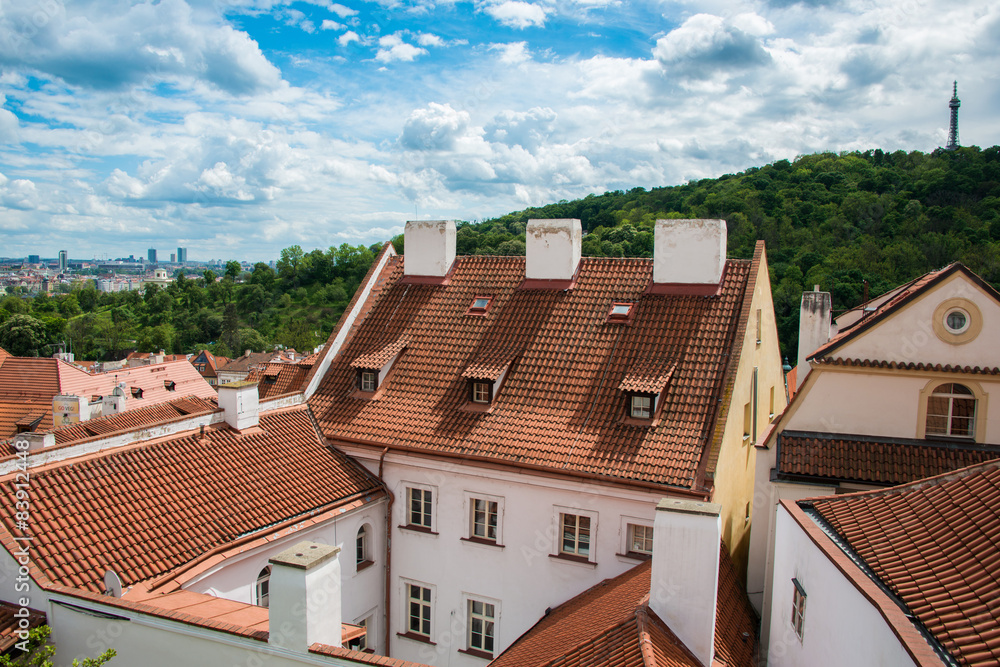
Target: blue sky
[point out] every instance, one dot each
(236, 128)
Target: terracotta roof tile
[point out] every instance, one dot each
(380, 357)
(888, 461)
(275, 379)
(4, 354)
(9, 624)
(610, 625)
(936, 545)
(648, 376)
(908, 366)
(150, 508)
(560, 406)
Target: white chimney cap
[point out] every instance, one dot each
(689, 252)
(429, 248)
(553, 249)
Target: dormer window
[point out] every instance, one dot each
(621, 311)
(480, 305)
(481, 391)
(644, 386)
(367, 380)
(136, 392)
(169, 385)
(640, 406)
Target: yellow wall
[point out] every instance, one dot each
(734, 471)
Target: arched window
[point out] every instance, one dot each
(263, 586)
(363, 547)
(951, 411)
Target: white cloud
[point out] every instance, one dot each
(427, 39)
(512, 53)
(19, 193)
(342, 11)
(517, 14)
(348, 37)
(330, 25)
(438, 127)
(704, 45)
(392, 48)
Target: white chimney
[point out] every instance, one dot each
(429, 247)
(689, 252)
(815, 318)
(304, 597)
(553, 249)
(241, 404)
(685, 578)
(114, 403)
(35, 441)
(69, 409)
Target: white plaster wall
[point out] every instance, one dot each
(879, 403)
(235, 579)
(908, 336)
(521, 577)
(841, 626)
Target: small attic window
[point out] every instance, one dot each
(481, 391)
(367, 380)
(270, 379)
(641, 406)
(621, 311)
(169, 385)
(480, 305)
(136, 392)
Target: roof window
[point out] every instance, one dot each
(169, 385)
(136, 392)
(480, 305)
(621, 311)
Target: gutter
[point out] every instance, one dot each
(388, 546)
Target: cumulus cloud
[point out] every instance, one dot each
(512, 53)
(18, 193)
(392, 48)
(428, 39)
(528, 129)
(517, 14)
(327, 24)
(437, 127)
(348, 37)
(102, 47)
(706, 44)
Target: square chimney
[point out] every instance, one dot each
(552, 252)
(241, 404)
(428, 248)
(304, 605)
(689, 256)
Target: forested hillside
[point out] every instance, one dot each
(828, 219)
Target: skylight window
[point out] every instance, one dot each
(480, 305)
(621, 311)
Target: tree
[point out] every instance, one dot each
(263, 275)
(251, 340)
(22, 336)
(233, 269)
(40, 652)
(289, 265)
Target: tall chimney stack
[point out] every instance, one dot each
(815, 315)
(429, 248)
(304, 605)
(689, 256)
(685, 574)
(241, 403)
(552, 250)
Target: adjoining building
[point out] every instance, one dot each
(529, 412)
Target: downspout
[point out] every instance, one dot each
(388, 546)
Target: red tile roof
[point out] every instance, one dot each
(3, 355)
(560, 407)
(145, 510)
(611, 625)
(276, 379)
(9, 624)
(908, 366)
(936, 545)
(648, 376)
(380, 358)
(868, 459)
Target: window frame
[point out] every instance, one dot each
(558, 547)
(630, 537)
(407, 586)
(471, 498)
(475, 383)
(469, 601)
(630, 405)
(363, 547)
(480, 310)
(362, 373)
(408, 516)
(263, 580)
(798, 616)
(949, 416)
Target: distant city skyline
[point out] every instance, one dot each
(240, 128)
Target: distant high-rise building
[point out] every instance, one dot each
(151, 254)
(182, 255)
(63, 261)
(173, 257)
(34, 259)
(953, 132)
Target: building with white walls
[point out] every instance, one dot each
(900, 392)
(526, 415)
(900, 576)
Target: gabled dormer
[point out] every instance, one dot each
(373, 368)
(643, 388)
(485, 376)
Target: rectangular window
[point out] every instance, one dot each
(420, 505)
(484, 519)
(758, 326)
(481, 391)
(770, 408)
(360, 643)
(368, 380)
(640, 539)
(798, 607)
(575, 535)
(482, 622)
(640, 406)
(746, 421)
(420, 610)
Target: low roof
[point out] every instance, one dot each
(10, 624)
(246, 362)
(935, 544)
(275, 379)
(560, 407)
(147, 509)
(611, 625)
(874, 460)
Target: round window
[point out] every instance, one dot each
(956, 320)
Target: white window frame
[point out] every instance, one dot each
(405, 596)
(557, 545)
(625, 541)
(257, 596)
(368, 373)
(467, 600)
(949, 416)
(368, 620)
(470, 503)
(650, 410)
(407, 486)
(798, 616)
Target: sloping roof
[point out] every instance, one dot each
(247, 362)
(648, 376)
(611, 625)
(560, 407)
(276, 379)
(9, 624)
(381, 356)
(146, 509)
(936, 545)
(3, 355)
(873, 460)
(898, 298)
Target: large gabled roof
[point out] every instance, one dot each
(147, 509)
(935, 544)
(611, 625)
(560, 406)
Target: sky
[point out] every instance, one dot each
(236, 128)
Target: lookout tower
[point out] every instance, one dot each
(953, 132)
